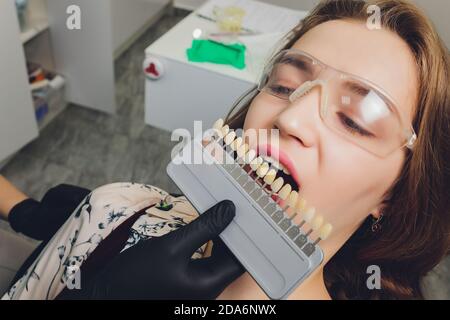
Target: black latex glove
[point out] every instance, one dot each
(162, 268)
(41, 220)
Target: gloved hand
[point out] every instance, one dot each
(41, 220)
(162, 268)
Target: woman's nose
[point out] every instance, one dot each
(301, 119)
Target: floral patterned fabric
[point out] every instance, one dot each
(93, 220)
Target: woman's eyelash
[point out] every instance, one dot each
(353, 126)
(281, 90)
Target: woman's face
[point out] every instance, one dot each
(344, 182)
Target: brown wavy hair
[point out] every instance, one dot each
(414, 236)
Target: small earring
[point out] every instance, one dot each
(376, 225)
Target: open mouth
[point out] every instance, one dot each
(281, 162)
(282, 171)
(274, 171)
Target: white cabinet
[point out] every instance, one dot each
(85, 57)
(17, 120)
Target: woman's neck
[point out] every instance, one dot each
(245, 288)
(312, 288)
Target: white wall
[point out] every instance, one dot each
(438, 11)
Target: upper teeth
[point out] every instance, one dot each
(275, 163)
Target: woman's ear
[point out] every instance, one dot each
(377, 212)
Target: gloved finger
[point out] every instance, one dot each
(219, 247)
(212, 277)
(220, 252)
(207, 226)
(222, 256)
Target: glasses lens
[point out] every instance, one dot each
(363, 115)
(288, 72)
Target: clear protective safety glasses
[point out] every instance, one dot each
(349, 105)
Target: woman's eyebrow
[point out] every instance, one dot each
(357, 88)
(297, 63)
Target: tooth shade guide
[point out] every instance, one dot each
(249, 156)
(324, 232)
(218, 124)
(224, 131)
(260, 185)
(290, 261)
(242, 151)
(291, 201)
(243, 154)
(277, 184)
(264, 182)
(270, 177)
(220, 131)
(275, 187)
(217, 151)
(309, 214)
(221, 134)
(315, 224)
(235, 145)
(285, 193)
(265, 175)
(255, 164)
(263, 169)
(211, 136)
(301, 205)
(228, 140)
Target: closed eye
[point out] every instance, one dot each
(281, 90)
(353, 127)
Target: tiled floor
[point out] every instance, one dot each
(89, 148)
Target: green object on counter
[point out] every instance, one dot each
(216, 52)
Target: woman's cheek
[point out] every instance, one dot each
(262, 112)
(364, 182)
(349, 184)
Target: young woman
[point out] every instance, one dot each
(364, 122)
(389, 203)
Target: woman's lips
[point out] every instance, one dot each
(282, 158)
